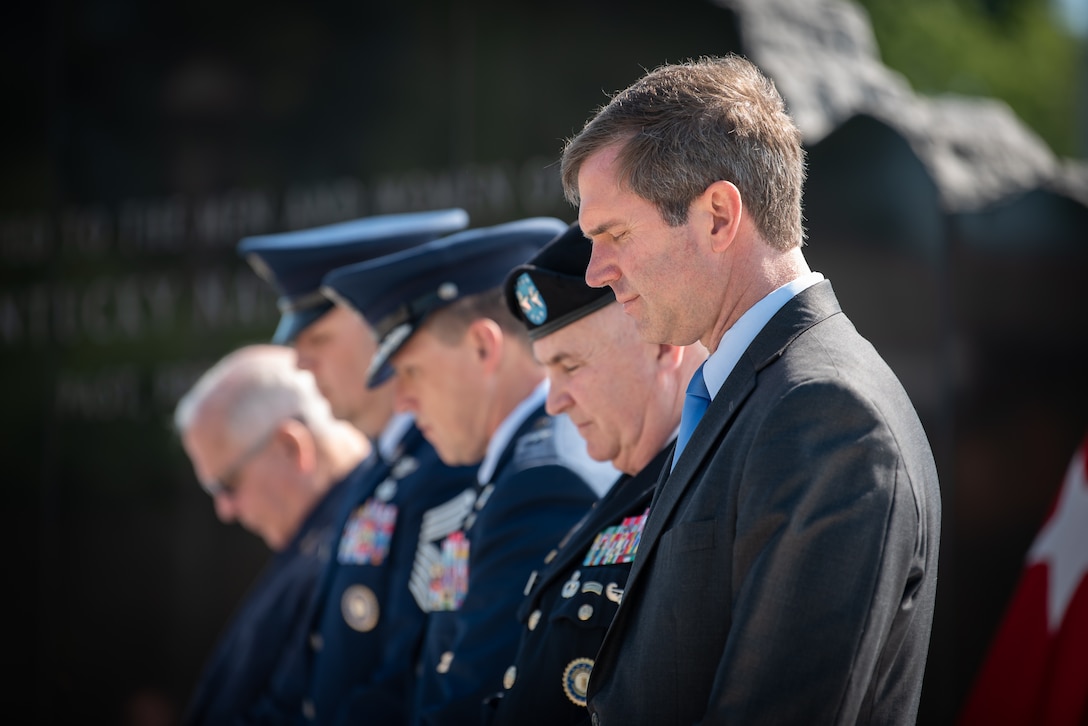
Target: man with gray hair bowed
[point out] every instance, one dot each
(266, 448)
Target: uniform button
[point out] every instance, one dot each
(595, 719)
(530, 583)
(509, 677)
(534, 619)
(585, 612)
(571, 586)
(308, 709)
(316, 642)
(444, 662)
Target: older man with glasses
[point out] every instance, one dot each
(264, 444)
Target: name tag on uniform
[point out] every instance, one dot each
(368, 533)
(449, 576)
(617, 544)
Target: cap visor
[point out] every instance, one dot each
(293, 323)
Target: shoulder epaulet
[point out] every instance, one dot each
(537, 446)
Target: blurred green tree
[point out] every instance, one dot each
(1014, 50)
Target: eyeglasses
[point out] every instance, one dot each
(227, 484)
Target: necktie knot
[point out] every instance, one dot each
(696, 401)
(697, 386)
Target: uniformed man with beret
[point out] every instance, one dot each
(365, 627)
(462, 364)
(626, 396)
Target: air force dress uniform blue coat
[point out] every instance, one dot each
(367, 626)
(543, 484)
(256, 674)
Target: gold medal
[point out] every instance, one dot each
(359, 606)
(576, 680)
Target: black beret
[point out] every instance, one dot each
(549, 291)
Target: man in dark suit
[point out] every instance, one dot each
(365, 626)
(461, 363)
(267, 449)
(787, 570)
(625, 396)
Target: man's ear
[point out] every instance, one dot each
(298, 442)
(486, 339)
(721, 208)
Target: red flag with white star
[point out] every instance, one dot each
(1036, 671)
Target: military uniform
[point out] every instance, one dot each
(569, 603)
(367, 626)
(536, 479)
(537, 492)
(571, 599)
(256, 674)
(364, 629)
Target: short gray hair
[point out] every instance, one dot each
(253, 388)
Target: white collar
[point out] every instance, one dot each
(737, 339)
(391, 435)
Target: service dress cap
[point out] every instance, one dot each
(295, 262)
(549, 291)
(397, 292)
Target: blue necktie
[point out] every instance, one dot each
(696, 401)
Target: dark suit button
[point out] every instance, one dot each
(595, 719)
